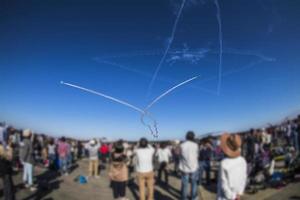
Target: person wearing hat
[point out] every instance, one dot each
(93, 158)
(27, 159)
(233, 169)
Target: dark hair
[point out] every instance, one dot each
(163, 145)
(50, 142)
(190, 135)
(118, 158)
(119, 148)
(143, 143)
(63, 139)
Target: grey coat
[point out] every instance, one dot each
(26, 151)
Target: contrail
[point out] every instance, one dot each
(228, 73)
(156, 100)
(167, 92)
(167, 49)
(105, 96)
(154, 132)
(148, 75)
(144, 112)
(122, 67)
(218, 14)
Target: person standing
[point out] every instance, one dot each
(204, 161)
(27, 159)
(163, 156)
(6, 174)
(93, 158)
(144, 166)
(104, 152)
(233, 169)
(118, 171)
(51, 154)
(63, 150)
(189, 166)
(176, 156)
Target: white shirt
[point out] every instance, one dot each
(189, 157)
(163, 155)
(51, 149)
(2, 129)
(232, 178)
(144, 159)
(93, 151)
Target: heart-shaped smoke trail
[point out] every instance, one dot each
(153, 130)
(152, 127)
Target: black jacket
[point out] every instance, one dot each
(5, 167)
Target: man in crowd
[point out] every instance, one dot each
(204, 161)
(26, 157)
(189, 166)
(144, 166)
(93, 148)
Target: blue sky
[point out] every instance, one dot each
(114, 47)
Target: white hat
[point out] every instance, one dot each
(92, 142)
(26, 132)
(176, 141)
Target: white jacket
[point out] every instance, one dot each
(232, 178)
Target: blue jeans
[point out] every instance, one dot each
(27, 173)
(185, 183)
(204, 166)
(63, 165)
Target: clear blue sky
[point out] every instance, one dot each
(114, 47)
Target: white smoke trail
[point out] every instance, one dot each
(167, 49)
(218, 14)
(105, 96)
(154, 132)
(167, 92)
(148, 75)
(156, 100)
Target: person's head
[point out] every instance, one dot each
(190, 136)
(143, 143)
(51, 141)
(231, 145)
(26, 133)
(63, 139)
(92, 142)
(119, 147)
(163, 145)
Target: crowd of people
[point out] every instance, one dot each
(232, 161)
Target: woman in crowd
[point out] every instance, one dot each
(118, 171)
(163, 156)
(144, 167)
(63, 152)
(6, 174)
(233, 169)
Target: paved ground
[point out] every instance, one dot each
(66, 188)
